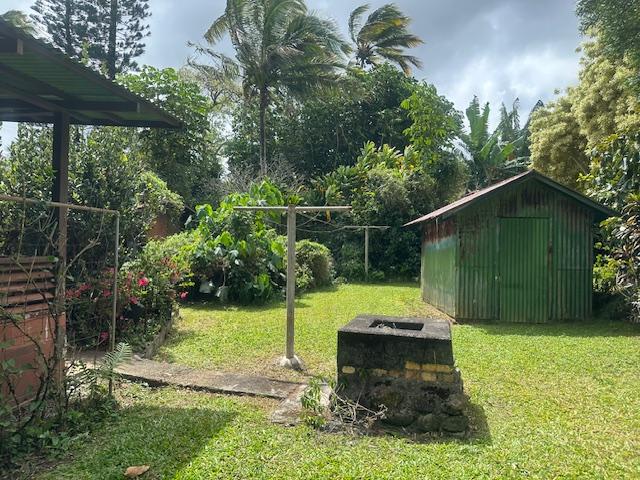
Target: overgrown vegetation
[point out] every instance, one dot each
(59, 413)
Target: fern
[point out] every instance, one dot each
(112, 360)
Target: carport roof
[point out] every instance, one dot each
(37, 81)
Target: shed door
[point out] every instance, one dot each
(523, 270)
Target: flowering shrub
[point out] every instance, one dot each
(148, 288)
(150, 285)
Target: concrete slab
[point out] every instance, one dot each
(162, 373)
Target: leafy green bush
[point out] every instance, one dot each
(314, 265)
(614, 178)
(385, 187)
(237, 254)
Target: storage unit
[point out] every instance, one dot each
(518, 251)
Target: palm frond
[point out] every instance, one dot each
(355, 21)
(383, 36)
(396, 56)
(217, 29)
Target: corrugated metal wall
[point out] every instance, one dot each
(438, 267)
(523, 269)
(477, 265)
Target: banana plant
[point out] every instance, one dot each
(493, 156)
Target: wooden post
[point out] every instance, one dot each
(291, 279)
(290, 360)
(366, 229)
(114, 294)
(60, 193)
(366, 253)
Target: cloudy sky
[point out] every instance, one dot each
(497, 49)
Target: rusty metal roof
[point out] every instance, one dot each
(468, 200)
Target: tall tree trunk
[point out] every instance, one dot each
(264, 103)
(111, 48)
(69, 50)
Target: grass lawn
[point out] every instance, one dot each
(551, 401)
(251, 339)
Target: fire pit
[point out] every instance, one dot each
(407, 365)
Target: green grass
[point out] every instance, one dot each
(550, 401)
(251, 339)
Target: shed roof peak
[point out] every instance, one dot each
(479, 195)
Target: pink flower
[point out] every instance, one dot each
(183, 295)
(134, 300)
(104, 336)
(84, 287)
(106, 293)
(143, 282)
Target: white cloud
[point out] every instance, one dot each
(529, 76)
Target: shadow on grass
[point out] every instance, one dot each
(594, 328)
(166, 439)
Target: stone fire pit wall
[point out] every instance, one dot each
(407, 365)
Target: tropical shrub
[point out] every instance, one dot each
(384, 187)
(238, 256)
(614, 179)
(314, 265)
(148, 288)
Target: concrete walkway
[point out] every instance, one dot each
(162, 373)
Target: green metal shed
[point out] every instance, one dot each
(518, 251)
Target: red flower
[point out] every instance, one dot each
(106, 293)
(183, 295)
(134, 300)
(103, 336)
(84, 287)
(143, 282)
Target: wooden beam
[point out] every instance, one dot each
(76, 105)
(301, 208)
(36, 100)
(291, 279)
(60, 191)
(366, 253)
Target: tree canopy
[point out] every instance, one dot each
(280, 47)
(617, 23)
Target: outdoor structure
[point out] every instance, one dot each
(40, 84)
(290, 359)
(518, 251)
(406, 365)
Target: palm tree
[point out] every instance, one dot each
(382, 37)
(498, 155)
(280, 48)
